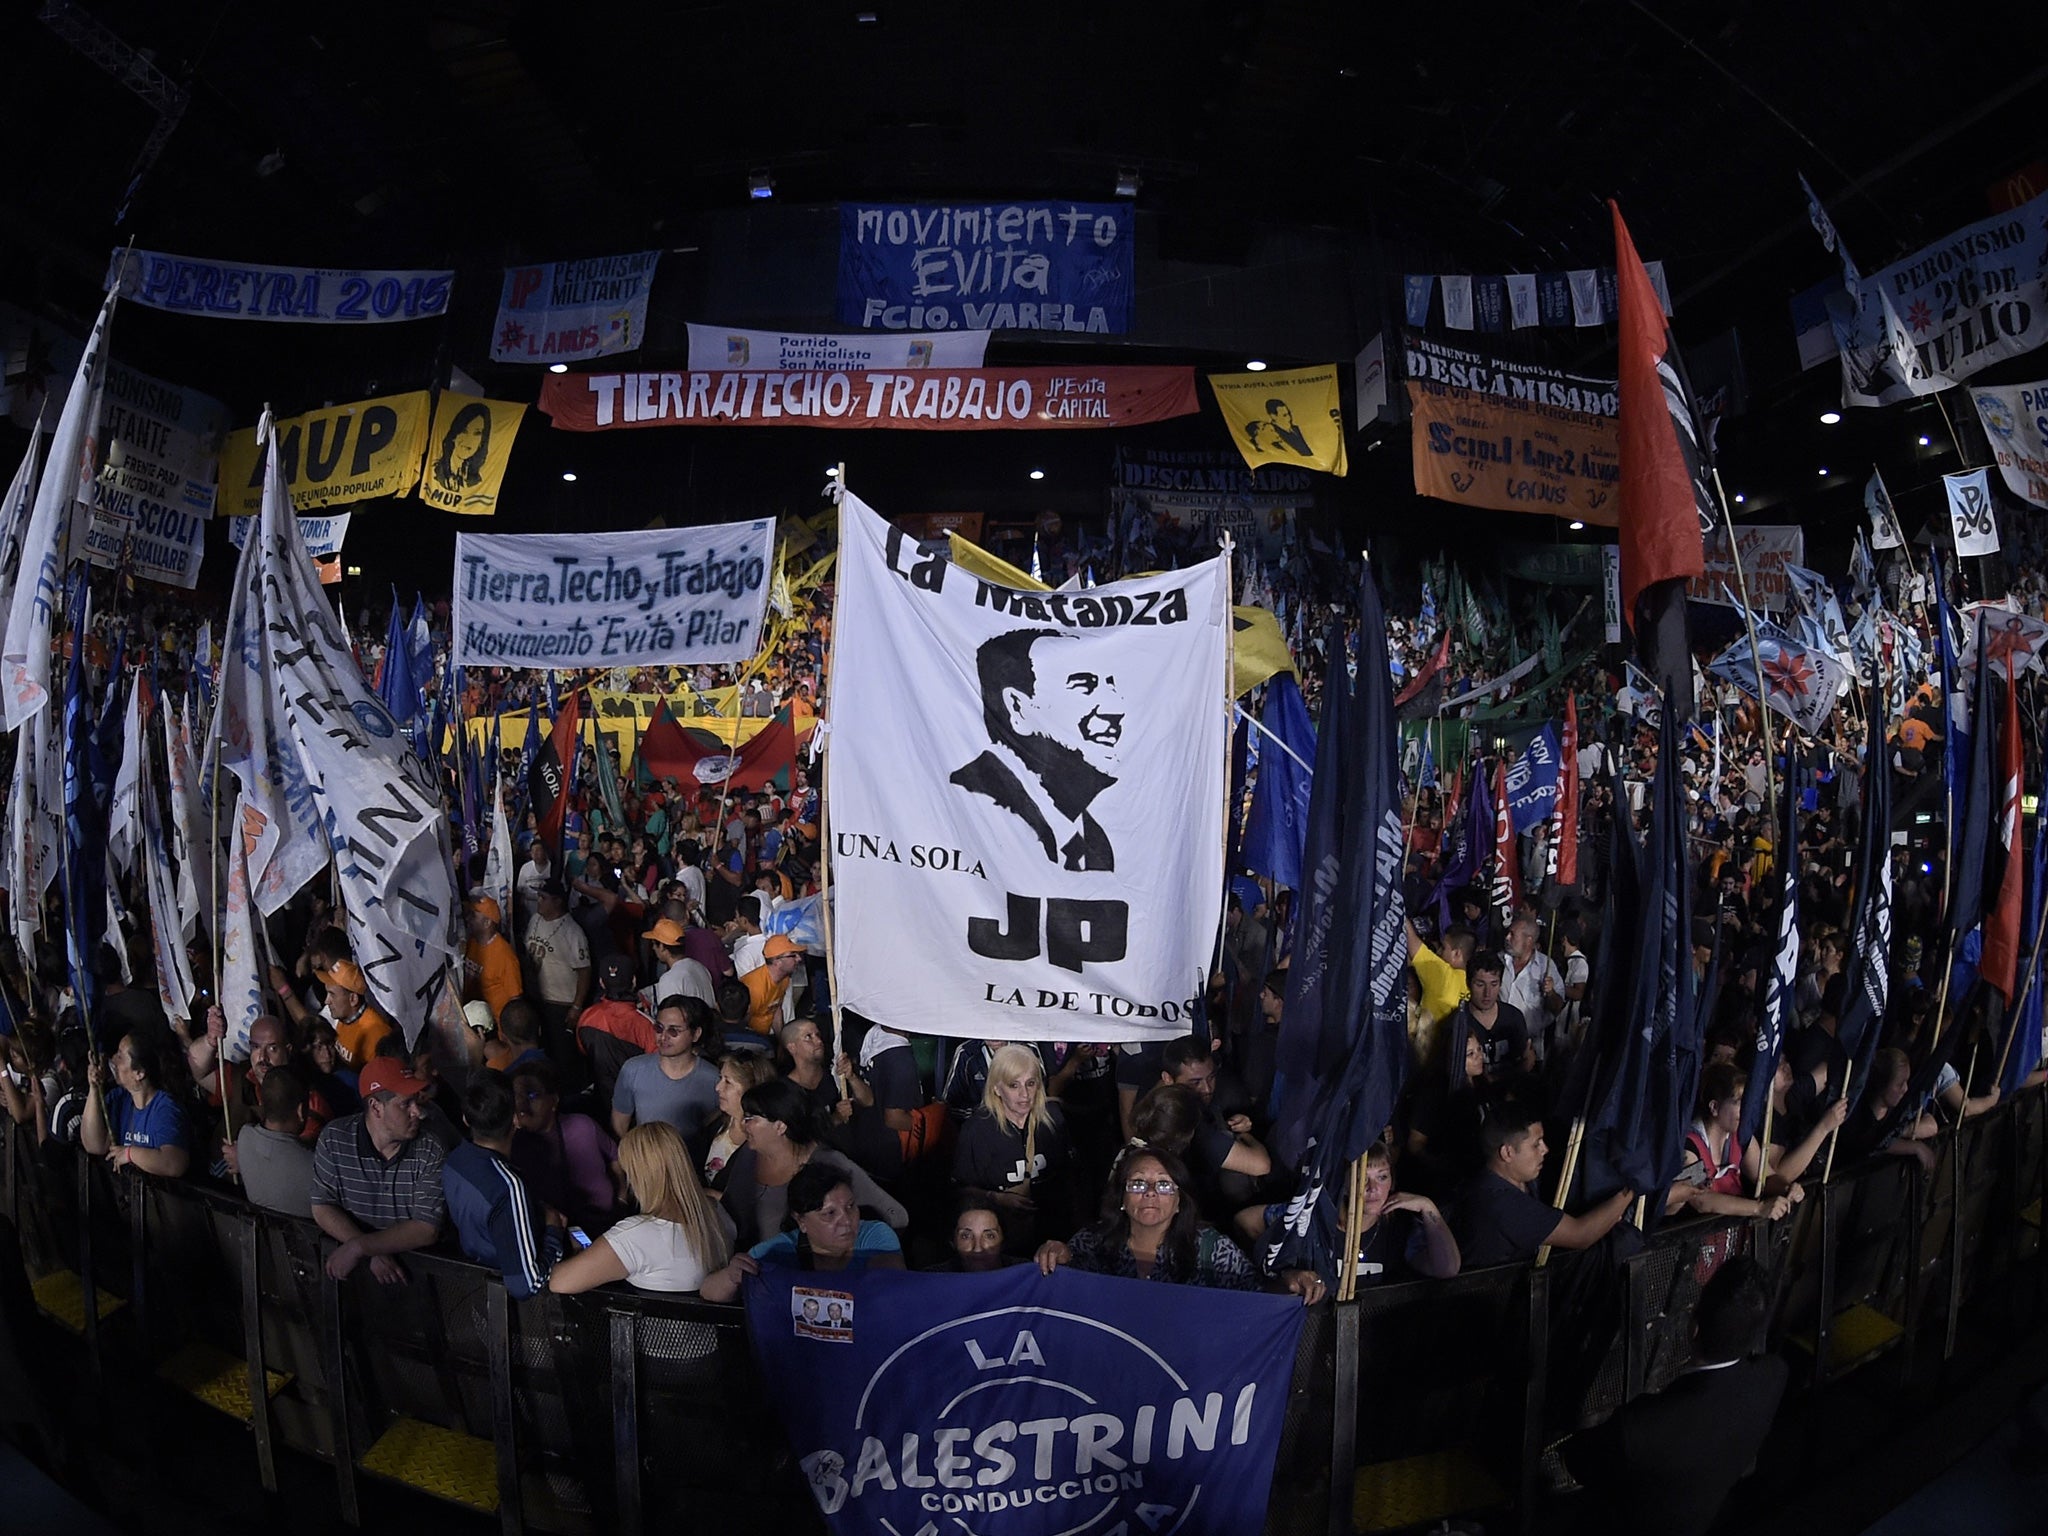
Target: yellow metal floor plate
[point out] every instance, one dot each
(62, 1297)
(1854, 1335)
(457, 1467)
(217, 1379)
(1391, 1495)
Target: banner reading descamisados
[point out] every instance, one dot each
(340, 453)
(1513, 436)
(921, 399)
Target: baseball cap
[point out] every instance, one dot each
(554, 886)
(615, 975)
(667, 931)
(488, 905)
(345, 974)
(388, 1074)
(778, 945)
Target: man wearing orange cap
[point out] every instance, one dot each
(358, 1023)
(490, 967)
(768, 983)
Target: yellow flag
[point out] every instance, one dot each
(1292, 418)
(467, 451)
(976, 561)
(1260, 650)
(337, 454)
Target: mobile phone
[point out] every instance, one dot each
(579, 1237)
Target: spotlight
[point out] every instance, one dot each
(558, 367)
(569, 475)
(1740, 498)
(354, 570)
(1823, 471)
(1576, 526)
(1829, 418)
(1038, 474)
(1926, 442)
(832, 472)
(1256, 365)
(760, 186)
(866, 18)
(1128, 181)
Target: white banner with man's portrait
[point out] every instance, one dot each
(1027, 795)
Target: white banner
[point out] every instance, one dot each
(1369, 370)
(658, 597)
(227, 290)
(161, 543)
(716, 347)
(2015, 419)
(565, 311)
(1610, 591)
(1766, 551)
(1948, 311)
(1885, 532)
(323, 535)
(1972, 518)
(1027, 795)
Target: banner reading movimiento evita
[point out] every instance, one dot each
(1000, 758)
(1020, 1404)
(653, 597)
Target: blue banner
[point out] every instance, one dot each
(1532, 780)
(991, 267)
(243, 290)
(1016, 1404)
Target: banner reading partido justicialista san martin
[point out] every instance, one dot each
(1513, 436)
(917, 399)
(1020, 1404)
(652, 597)
(1000, 760)
(717, 348)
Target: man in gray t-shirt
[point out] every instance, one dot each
(275, 1166)
(675, 1083)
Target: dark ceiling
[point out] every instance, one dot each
(1474, 137)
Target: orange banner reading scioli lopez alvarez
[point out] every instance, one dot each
(1514, 436)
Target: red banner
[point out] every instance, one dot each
(917, 399)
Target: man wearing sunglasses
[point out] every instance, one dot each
(675, 1083)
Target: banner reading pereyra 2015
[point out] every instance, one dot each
(2015, 421)
(242, 290)
(999, 762)
(565, 311)
(1019, 1404)
(728, 348)
(653, 597)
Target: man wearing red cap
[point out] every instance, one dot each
(768, 983)
(376, 1179)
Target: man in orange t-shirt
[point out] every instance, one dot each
(490, 968)
(768, 981)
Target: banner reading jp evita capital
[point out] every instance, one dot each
(337, 454)
(565, 311)
(468, 448)
(1028, 1404)
(918, 399)
(993, 267)
(716, 347)
(999, 761)
(2015, 418)
(1517, 437)
(654, 597)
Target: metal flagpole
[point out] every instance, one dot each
(832, 1046)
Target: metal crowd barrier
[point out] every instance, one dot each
(625, 1411)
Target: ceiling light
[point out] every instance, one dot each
(832, 472)
(354, 570)
(1038, 474)
(866, 18)
(1255, 366)
(1128, 181)
(1577, 526)
(1740, 498)
(569, 475)
(1829, 418)
(1926, 442)
(760, 185)
(1823, 471)
(558, 367)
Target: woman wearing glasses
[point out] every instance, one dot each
(1149, 1231)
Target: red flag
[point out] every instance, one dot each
(1507, 865)
(1429, 669)
(1664, 497)
(547, 781)
(1564, 823)
(2002, 923)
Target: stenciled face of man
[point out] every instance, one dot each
(1071, 704)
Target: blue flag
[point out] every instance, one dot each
(1955, 730)
(1866, 979)
(1343, 1046)
(1022, 1403)
(1781, 987)
(2025, 1053)
(1471, 840)
(397, 687)
(1277, 830)
(85, 823)
(1971, 803)
(419, 642)
(1532, 780)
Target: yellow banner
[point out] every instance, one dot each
(1291, 418)
(468, 448)
(339, 454)
(623, 716)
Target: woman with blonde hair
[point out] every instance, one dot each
(680, 1235)
(1015, 1150)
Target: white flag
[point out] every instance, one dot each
(14, 514)
(1522, 299)
(1457, 302)
(372, 792)
(1585, 283)
(190, 837)
(239, 988)
(1971, 516)
(1884, 519)
(124, 815)
(498, 862)
(166, 922)
(25, 649)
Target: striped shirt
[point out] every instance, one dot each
(379, 1192)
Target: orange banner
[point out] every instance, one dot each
(1514, 436)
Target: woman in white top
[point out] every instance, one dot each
(680, 1235)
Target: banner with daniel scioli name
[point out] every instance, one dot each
(645, 597)
(1027, 794)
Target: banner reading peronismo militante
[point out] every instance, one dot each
(565, 311)
(653, 597)
(920, 399)
(1001, 761)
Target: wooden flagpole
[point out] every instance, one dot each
(832, 1048)
(1834, 1139)
(1756, 655)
